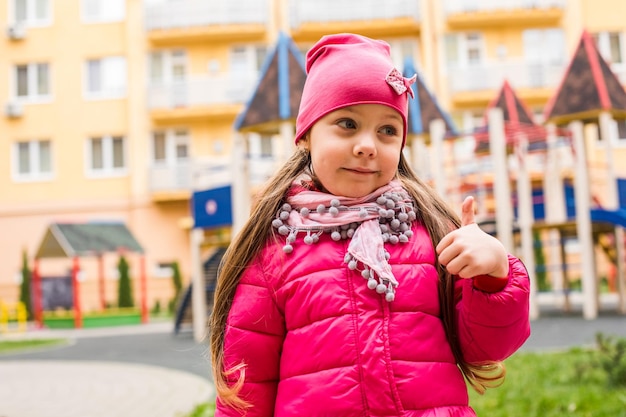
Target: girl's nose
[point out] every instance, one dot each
(365, 145)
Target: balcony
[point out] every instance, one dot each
(311, 19)
(472, 14)
(201, 97)
(177, 182)
(179, 21)
(477, 85)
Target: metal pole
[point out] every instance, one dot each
(78, 314)
(37, 295)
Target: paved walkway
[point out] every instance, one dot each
(42, 384)
(97, 389)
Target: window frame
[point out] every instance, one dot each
(105, 93)
(31, 21)
(169, 59)
(87, 19)
(603, 43)
(34, 155)
(107, 170)
(32, 83)
(172, 139)
(463, 44)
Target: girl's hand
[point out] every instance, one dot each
(469, 251)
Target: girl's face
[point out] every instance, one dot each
(356, 149)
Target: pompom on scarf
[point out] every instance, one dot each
(384, 215)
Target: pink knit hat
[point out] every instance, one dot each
(348, 69)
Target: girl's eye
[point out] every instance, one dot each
(347, 123)
(389, 130)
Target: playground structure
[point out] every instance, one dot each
(541, 202)
(534, 182)
(531, 181)
(75, 241)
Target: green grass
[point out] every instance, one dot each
(203, 410)
(15, 346)
(570, 383)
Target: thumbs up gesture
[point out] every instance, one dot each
(469, 251)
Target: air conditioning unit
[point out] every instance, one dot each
(16, 31)
(13, 110)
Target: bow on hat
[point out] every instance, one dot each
(399, 83)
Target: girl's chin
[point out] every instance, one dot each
(352, 191)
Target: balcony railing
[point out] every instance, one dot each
(490, 76)
(326, 11)
(464, 6)
(171, 177)
(208, 90)
(206, 173)
(193, 13)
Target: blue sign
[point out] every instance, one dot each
(212, 208)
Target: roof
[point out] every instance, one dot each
(513, 109)
(86, 239)
(588, 88)
(423, 107)
(278, 92)
(518, 122)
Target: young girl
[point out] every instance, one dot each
(353, 290)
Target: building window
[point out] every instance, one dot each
(99, 11)
(544, 56)
(618, 132)
(106, 156)
(163, 270)
(247, 59)
(170, 147)
(464, 50)
(31, 12)
(32, 81)
(266, 146)
(245, 64)
(610, 45)
(32, 160)
(105, 78)
(544, 46)
(402, 50)
(167, 66)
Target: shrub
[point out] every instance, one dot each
(178, 285)
(612, 358)
(156, 310)
(125, 291)
(25, 291)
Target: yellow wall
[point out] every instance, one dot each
(603, 14)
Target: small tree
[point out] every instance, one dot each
(178, 285)
(25, 294)
(125, 291)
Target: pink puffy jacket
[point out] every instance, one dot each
(318, 342)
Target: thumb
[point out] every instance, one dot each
(467, 211)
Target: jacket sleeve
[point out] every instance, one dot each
(254, 336)
(493, 325)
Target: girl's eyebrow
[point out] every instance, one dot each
(387, 114)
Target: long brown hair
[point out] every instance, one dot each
(432, 211)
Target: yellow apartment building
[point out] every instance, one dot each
(116, 110)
